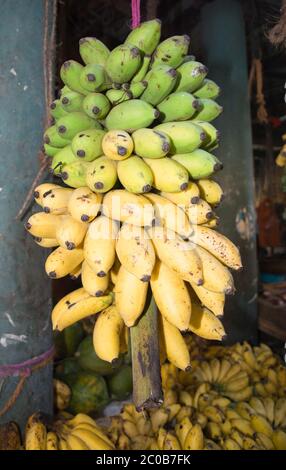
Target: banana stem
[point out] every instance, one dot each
(147, 389)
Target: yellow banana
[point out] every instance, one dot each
(159, 417)
(215, 368)
(212, 223)
(232, 372)
(171, 442)
(92, 283)
(106, 334)
(258, 406)
(171, 296)
(230, 444)
(182, 429)
(123, 442)
(52, 441)
(35, 433)
(95, 429)
(213, 301)
(194, 439)
(211, 445)
(225, 368)
(43, 189)
(217, 278)
(70, 233)
(135, 251)
(173, 410)
(213, 430)
(99, 245)
(237, 384)
(184, 198)
(199, 213)
(134, 209)
(76, 443)
(221, 402)
(244, 426)
(176, 348)
(260, 390)
(211, 191)
(245, 410)
(43, 225)
(226, 427)
(237, 437)
(279, 439)
(202, 388)
(214, 414)
(205, 324)
(240, 395)
(62, 262)
(130, 429)
(249, 444)
(63, 445)
(185, 398)
(84, 204)
(76, 273)
(279, 412)
(91, 440)
(269, 405)
(46, 242)
(130, 296)
(264, 441)
(55, 201)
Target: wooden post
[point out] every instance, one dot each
(25, 292)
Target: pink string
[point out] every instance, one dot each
(135, 5)
(25, 368)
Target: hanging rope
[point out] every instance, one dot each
(256, 75)
(135, 6)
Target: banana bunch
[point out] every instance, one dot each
(62, 394)
(78, 432)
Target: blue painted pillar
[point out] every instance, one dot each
(25, 292)
(224, 43)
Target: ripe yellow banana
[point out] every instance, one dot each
(106, 334)
(114, 270)
(99, 245)
(214, 414)
(43, 189)
(212, 223)
(218, 245)
(211, 445)
(264, 441)
(130, 296)
(171, 442)
(211, 191)
(135, 251)
(217, 278)
(245, 410)
(237, 437)
(177, 254)
(46, 242)
(52, 441)
(92, 283)
(63, 445)
(213, 301)
(243, 394)
(176, 348)
(62, 262)
(134, 209)
(43, 225)
(279, 439)
(35, 434)
(94, 428)
(182, 429)
(70, 233)
(91, 440)
(186, 197)
(231, 444)
(170, 215)
(279, 412)
(199, 213)
(55, 201)
(244, 426)
(237, 383)
(269, 405)
(76, 443)
(205, 324)
(225, 368)
(171, 296)
(213, 430)
(202, 388)
(84, 204)
(194, 439)
(249, 443)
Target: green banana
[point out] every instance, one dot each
(93, 78)
(93, 51)
(185, 136)
(190, 76)
(101, 175)
(123, 62)
(178, 106)
(209, 89)
(213, 135)
(131, 115)
(140, 75)
(161, 81)
(177, 179)
(63, 157)
(72, 101)
(172, 51)
(136, 89)
(189, 58)
(50, 151)
(51, 137)
(200, 164)
(96, 105)
(70, 74)
(146, 36)
(69, 125)
(208, 110)
(135, 175)
(74, 174)
(87, 146)
(57, 111)
(118, 96)
(150, 143)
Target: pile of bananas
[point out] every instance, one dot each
(69, 432)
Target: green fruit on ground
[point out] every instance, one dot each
(71, 101)
(87, 146)
(131, 115)
(185, 136)
(93, 51)
(120, 384)
(51, 137)
(89, 361)
(70, 75)
(146, 36)
(200, 164)
(208, 89)
(57, 110)
(66, 367)
(63, 157)
(74, 174)
(123, 63)
(68, 340)
(172, 51)
(69, 125)
(190, 76)
(168, 177)
(208, 110)
(89, 393)
(96, 105)
(101, 175)
(161, 81)
(179, 106)
(135, 175)
(150, 143)
(93, 77)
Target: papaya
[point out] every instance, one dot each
(89, 393)
(120, 383)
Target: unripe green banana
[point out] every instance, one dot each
(208, 110)
(63, 157)
(178, 106)
(70, 75)
(150, 143)
(96, 105)
(101, 175)
(161, 81)
(69, 125)
(190, 76)
(74, 174)
(72, 101)
(123, 62)
(87, 146)
(118, 96)
(146, 36)
(131, 115)
(57, 111)
(93, 78)
(209, 89)
(135, 175)
(93, 51)
(167, 176)
(213, 135)
(136, 89)
(140, 75)
(50, 151)
(200, 164)
(172, 51)
(185, 136)
(51, 137)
